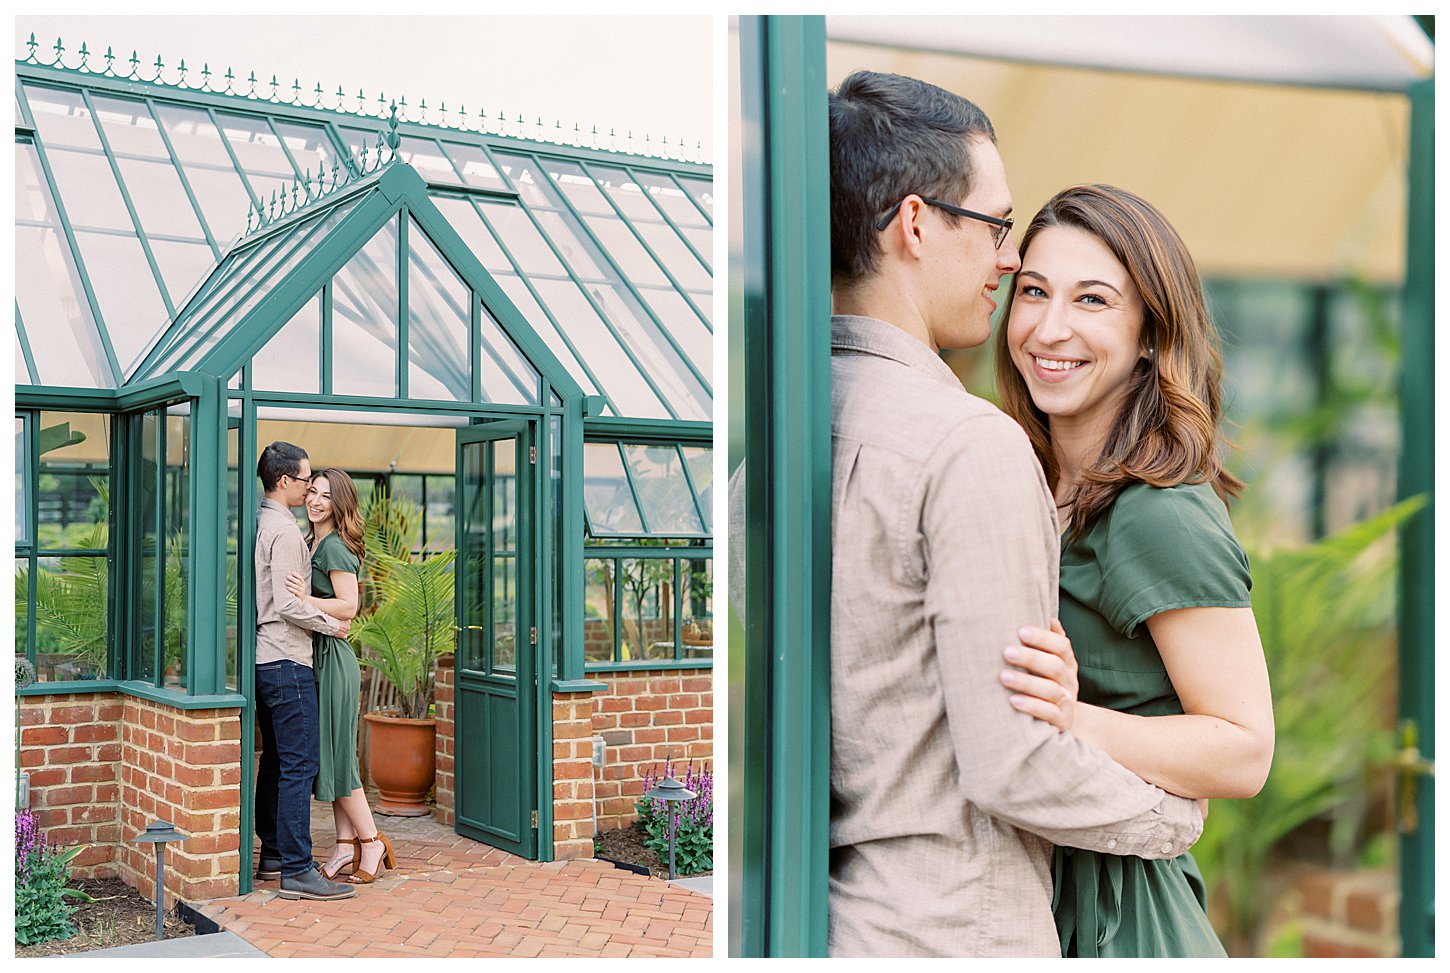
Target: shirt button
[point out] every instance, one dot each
(1112, 843)
(1167, 847)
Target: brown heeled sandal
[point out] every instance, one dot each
(388, 861)
(353, 864)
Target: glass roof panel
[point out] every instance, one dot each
(636, 263)
(670, 250)
(525, 178)
(628, 195)
(672, 199)
(702, 191)
(439, 311)
(473, 163)
(183, 265)
(48, 292)
(310, 147)
(466, 222)
(664, 493)
(365, 319)
(684, 324)
(608, 500)
(620, 379)
(126, 291)
(577, 185)
(689, 396)
(534, 313)
(22, 371)
(291, 361)
(505, 374)
(218, 188)
(511, 225)
(700, 460)
(259, 152)
(425, 156)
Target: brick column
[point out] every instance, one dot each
(182, 766)
(443, 787)
(70, 744)
(573, 775)
(1354, 914)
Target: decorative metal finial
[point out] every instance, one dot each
(393, 140)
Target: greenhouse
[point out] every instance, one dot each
(506, 331)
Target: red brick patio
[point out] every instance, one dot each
(450, 896)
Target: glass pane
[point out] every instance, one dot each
(310, 146)
(438, 513)
(258, 151)
(291, 360)
(126, 291)
(129, 127)
(579, 252)
(505, 374)
(684, 325)
(525, 178)
(61, 118)
(608, 500)
(177, 511)
(628, 195)
(534, 314)
(659, 480)
(472, 559)
(438, 322)
(671, 251)
(505, 608)
(184, 266)
(577, 186)
(159, 198)
(473, 163)
(223, 200)
(233, 514)
(702, 191)
(701, 462)
(22, 483)
(425, 156)
(143, 663)
(70, 618)
(599, 583)
(73, 485)
(22, 606)
(365, 319)
(656, 356)
(697, 609)
(620, 379)
(465, 220)
(48, 288)
(672, 200)
(647, 631)
(522, 239)
(88, 188)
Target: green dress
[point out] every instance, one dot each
(339, 683)
(1153, 551)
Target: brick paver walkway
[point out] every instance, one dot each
(450, 896)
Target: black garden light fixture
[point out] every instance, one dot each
(159, 832)
(672, 792)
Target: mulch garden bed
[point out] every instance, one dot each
(119, 916)
(627, 845)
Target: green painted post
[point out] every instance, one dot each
(207, 593)
(247, 453)
(788, 488)
(1417, 537)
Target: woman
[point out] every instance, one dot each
(1109, 360)
(336, 540)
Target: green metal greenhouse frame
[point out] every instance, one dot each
(588, 281)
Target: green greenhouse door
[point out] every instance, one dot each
(495, 748)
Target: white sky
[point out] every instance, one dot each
(645, 74)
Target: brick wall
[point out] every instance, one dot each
(1350, 913)
(104, 765)
(443, 786)
(646, 719)
(71, 747)
(573, 775)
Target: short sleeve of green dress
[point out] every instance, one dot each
(1155, 550)
(339, 683)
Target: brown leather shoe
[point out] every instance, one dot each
(351, 866)
(388, 861)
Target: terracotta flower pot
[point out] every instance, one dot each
(401, 763)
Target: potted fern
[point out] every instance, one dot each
(409, 627)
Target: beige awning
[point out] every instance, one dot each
(1278, 173)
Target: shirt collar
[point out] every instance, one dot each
(269, 502)
(855, 334)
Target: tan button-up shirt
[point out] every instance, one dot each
(945, 800)
(284, 621)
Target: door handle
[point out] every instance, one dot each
(471, 628)
(1410, 765)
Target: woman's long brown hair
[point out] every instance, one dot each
(346, 510)
(1167, 431)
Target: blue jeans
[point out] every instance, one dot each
(287, 717)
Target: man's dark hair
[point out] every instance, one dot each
(279, 460)
(892, 135)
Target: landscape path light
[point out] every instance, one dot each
(159, 832)
(672, 792)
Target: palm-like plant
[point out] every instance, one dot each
(412, 607)
(70, 604)
(1325, 616)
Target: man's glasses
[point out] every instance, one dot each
(300, 479)
(1003, 227)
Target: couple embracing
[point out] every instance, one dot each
(307, 680)
(1003, 784)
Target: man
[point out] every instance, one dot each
(286, 692)
(945, 801)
